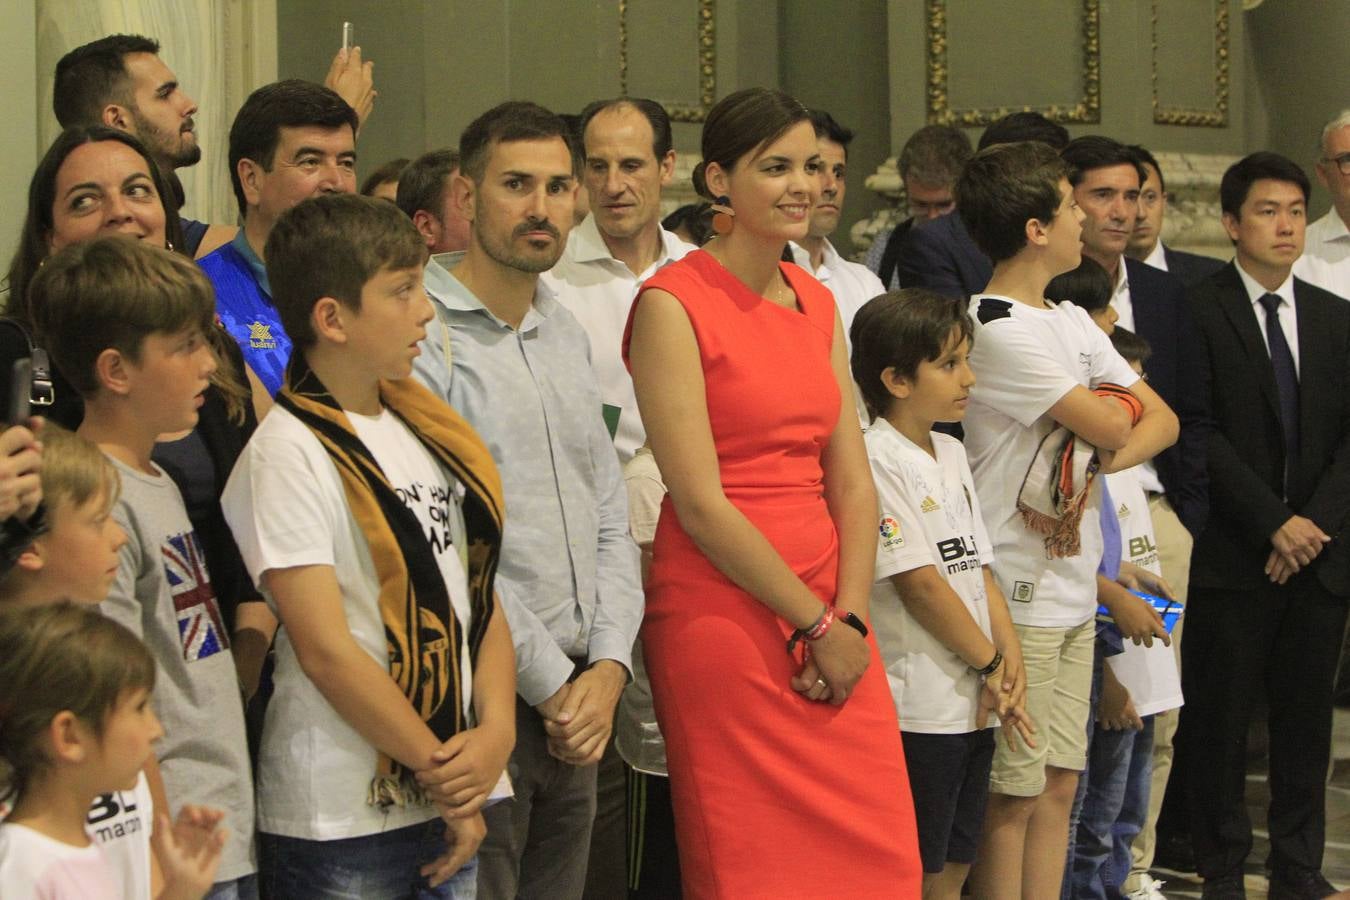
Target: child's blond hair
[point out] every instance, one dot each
(74, 471)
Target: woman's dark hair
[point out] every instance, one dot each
(695, 218)
(1088, 286)
(899, 330)
(37, 226)
(741, 123)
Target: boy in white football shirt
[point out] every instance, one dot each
(1137, 684)
(942, 624)
(1054, 406)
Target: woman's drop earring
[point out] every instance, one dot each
(724, 217)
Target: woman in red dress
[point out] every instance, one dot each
(787, 773)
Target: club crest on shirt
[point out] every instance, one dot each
(890, 533)
(260, 337)
(200, 626)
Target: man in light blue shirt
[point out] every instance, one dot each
(516, 364)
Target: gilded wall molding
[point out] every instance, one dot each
(1177, 115)
(1087, 110)
(707, 64)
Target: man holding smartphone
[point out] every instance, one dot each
(121, 81)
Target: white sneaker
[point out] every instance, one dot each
(1149, 888)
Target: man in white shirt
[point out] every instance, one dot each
(852, 284)
(1145, 243)
(1326, 255)
(629, 159)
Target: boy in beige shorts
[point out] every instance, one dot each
(1053, 406)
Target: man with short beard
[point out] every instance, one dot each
(514, 363)
(120, 81)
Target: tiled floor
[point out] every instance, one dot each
(1336, 865)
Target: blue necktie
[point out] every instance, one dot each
(1286, 378)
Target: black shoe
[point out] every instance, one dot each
(1226, 887)
(1175, 854)
(1299, 884)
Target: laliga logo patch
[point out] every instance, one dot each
(890, 533)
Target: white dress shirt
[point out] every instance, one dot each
(599, 290)
(1157, 257)
(1286, 312)
(1326, 255)
(1120, 297)
(852, 284)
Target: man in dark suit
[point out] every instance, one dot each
(929, 163)
(1271, 572)
(939, 254)
(1107, 179)
(1145, 242)
(1151, 303)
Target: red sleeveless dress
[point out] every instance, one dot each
(774, 795)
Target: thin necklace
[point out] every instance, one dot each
(777, 291)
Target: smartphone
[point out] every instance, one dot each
(348, 36)
(18, 409)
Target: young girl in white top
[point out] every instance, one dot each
(76, 724)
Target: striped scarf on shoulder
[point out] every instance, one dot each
(421, 629)
(1055, 489)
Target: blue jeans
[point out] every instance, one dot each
(245, 888)
(1110, 807)
(372, 867)
(1133, 810)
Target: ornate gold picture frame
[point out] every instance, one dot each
(1087, 110)
(1179, 115)
(707, 64)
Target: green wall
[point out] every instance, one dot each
(441, 62)
(1298, 58)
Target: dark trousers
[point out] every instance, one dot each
(537, 842)
(1283, 641)
(606, 874)
(653, 858)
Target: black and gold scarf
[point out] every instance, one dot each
(423, 633)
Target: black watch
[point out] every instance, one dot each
(852, 620)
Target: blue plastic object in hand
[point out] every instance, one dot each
(1170, 610)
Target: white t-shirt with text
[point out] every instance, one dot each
(120, 822)
(36, 867)
(286, 506)
(1148, 673)
(1025, 360)
(929, 516)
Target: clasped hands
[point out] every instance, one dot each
(579, 717)
(834, 663)
(1296, 544)
(463, 772)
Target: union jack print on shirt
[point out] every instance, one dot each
(199, 624)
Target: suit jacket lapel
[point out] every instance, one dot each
(1237, 307)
